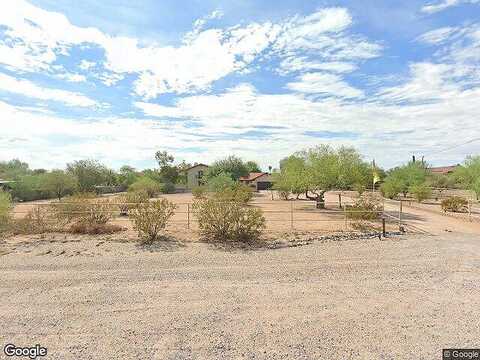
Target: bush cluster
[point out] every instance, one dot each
(455, 204)
(224, 221)
(199, 192)
(367, 207)
(130, 200)
(151, 217)
(145, 184)
(5, 211)
(38, 220)
(83, 211)
(238, 193)
(420, 192)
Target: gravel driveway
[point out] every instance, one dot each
(402, 298)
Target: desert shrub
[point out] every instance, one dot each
(420, 192)
(151, 187)
(224, 221)
(367, 207)
(38, 220)
(359, 188)
(455, 204)
(94, 229)
(199, 192)
(220, 182)
(5, 211)
(150, 218)
(84, 208)
(167, 188)
(391, 188)
(238, 192)
(130, 200)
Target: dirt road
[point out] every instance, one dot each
(403, 298)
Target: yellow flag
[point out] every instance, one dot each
(376, 176)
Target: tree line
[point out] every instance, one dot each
(315, 171)
(309, 173)
(92, 176)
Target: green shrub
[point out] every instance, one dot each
(84, 208)
(224, 221)
(220, 182)
(167, 188)
(420, 192)
(455, 204)
(5, 211)
(151, 187)
(359, 188)
(199, 192)
(391, 188)
(130, 200)
(150, 218)
(367, 207)
(238, 192)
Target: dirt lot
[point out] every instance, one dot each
(402, 298)
(297, 296)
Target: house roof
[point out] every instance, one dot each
(194, 166)
(443, 169)
(252, 176)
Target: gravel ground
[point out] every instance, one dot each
(402, 298)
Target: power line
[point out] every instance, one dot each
(453, 147)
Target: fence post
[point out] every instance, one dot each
(400, 216)
(340, 201)
(291, 214)
(188, 215)
(345, 217)
(469, 210)
(384, 232)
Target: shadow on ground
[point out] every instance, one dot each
(163, 243)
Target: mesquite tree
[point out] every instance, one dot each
(329, 169)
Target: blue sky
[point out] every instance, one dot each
(118, 80)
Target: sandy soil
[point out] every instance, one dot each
(401, 298)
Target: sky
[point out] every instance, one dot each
(118, 80)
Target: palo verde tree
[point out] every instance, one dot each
(252, 166)
(89, 173)
(404, 178)
(59, 183)
(168, 173)
(230, 165)
(468, 174)
(329, 169)
(292, 177)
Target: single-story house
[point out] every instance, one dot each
(443, 170)
(258, 180)
(195, 175)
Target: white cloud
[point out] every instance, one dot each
(86, 65)
(437, 36)
(38, 36)
(27, 88)
(386, 129)
(301, 64)
(428, 82)
(72, 77)
(444, 4)
(324, 83)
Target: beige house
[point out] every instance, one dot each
(195, 175)
(259, 181)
